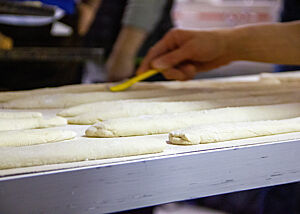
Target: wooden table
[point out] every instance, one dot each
(179, 173)
(148, 181)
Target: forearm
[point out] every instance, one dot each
(273, 43)
(129, 40)
(120, 64)
(139, 19)
(95, 4)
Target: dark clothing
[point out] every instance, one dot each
(164, 25)
(108, 22)
(290, 12)
(282, 68)
(106, 26)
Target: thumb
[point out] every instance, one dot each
(170, 59)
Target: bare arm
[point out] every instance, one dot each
(183, 53)
(273, 43)
(120, 64)
(139, 19)
(87, 11)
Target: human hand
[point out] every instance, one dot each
(183, 53)
(120, 67)
(87, 15)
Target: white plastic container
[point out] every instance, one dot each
(222, 13)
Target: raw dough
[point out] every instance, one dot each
(35, 136)
(159, 124)
(283, 78)
(11, 115)
(68, 100)
(30, 123)
(131, 109)
(232, 85)
(80, 150)
(107, 105)
(79, 88)
(232, 131)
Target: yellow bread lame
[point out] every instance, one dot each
(125, 85)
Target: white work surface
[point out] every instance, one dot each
(178, 173)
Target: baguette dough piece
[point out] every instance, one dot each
(80, 150)
(107, 105)
(211, 84)
(77, 88)
(164, 123)
(68, 100)
(232, 131)
(286, 77)
(12, 115)
(80, 88)
(32, 137)
(30, 123)
(132, 109)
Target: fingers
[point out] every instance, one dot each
(180, 54)
(166, 44)
(189, 70)
(202, 67)
(170, 59)
(182, 72)
(155, 51)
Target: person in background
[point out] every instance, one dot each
(290, 12)
(86, 10)
(143, 23)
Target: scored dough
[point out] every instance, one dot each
(80, 150)
(35, 136)
(164, 123)
(11, 115)
(106, 105)
(131, 109)
(68, 100)
(30, 123)
(232, 131)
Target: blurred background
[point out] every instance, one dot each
(203, 14)
(52, 43)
